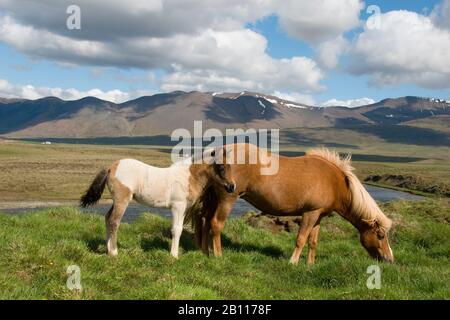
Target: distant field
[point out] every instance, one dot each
(430, 163)
(38, 247)
(31, 171)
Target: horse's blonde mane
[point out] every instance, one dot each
(363, 205)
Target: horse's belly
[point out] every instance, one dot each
(153, 194)
(273, 208)
(151, 201)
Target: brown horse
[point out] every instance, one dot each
(313, 186)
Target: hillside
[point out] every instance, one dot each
(162, 113)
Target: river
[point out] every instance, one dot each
(240, 207)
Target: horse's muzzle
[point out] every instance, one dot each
(230, 187)
(388, 259)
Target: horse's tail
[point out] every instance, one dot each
(95, 191)
(362, 204)
(195, 216)
(201, 212)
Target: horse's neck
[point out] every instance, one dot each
(249, 175)
(199, 173)
(355, 221)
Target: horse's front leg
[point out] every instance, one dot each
(178, 210)
(218, 222)
(309, 220)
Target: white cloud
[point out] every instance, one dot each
(8, 90)
(114, 19)
(267, 74)
(406, 48)
(210, 58)
(203, 47)
(208, 47)
(319, 20)
(351, 103)
(328, 52)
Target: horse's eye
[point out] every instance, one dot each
(380, 236)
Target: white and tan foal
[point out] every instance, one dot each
(176, 187)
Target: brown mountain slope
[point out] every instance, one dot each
(162, 113)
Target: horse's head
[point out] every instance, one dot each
(221, 169)
(374, 238)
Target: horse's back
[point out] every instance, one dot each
(131, 173)
(324, 183)
(303, 184)
(153, 186)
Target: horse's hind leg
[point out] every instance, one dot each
(312, 244)
(178, 210)
(309, 220)
(113, 219)
(107, 217)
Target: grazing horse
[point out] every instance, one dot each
(177, 187)
(313, 186)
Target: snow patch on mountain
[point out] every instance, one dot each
(263, 106)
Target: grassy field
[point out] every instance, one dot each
(31, 171)
(37, 248)
(59, 172)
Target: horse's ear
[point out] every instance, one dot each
(209, 155)
(377, 224)
(373, 223)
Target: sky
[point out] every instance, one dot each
(322, 52)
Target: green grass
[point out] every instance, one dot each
(37, 248)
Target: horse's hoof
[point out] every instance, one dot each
(293, 262)
(113, 253)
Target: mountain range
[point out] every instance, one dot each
(160, 114)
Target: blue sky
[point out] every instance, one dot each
(39, 66)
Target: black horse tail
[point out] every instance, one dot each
(95, 191)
